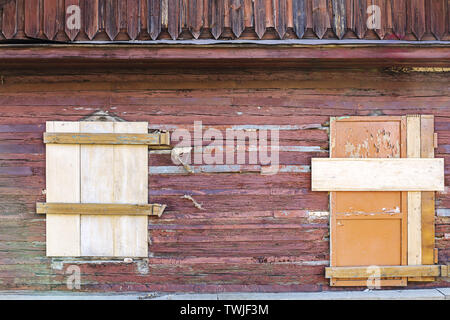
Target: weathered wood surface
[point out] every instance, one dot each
(100, 209)
(114, 20)
(107, 138)
(384, 271)
(256, 232)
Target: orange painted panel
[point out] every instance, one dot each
(368, 228)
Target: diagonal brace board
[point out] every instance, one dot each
(100, 209)
(387, 174)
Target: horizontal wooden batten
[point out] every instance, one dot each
(101, 209)
(386, 271)
(344, 174)
(151, 139)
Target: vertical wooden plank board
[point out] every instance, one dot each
(71, 33)
(438, 18)
(399, 18)
(154, 18)
(133, 18)
(9, 19)
(91, 18)
(289, 14)
(279, 16)
(428, 198)
(360, 18)
(248, 13)
(97, 186)
(112, 18)
(195, 17)
(63, 185)
(130, 186)
(299, 17)
(269, 14)
(339, 20)
(50, 18)
(260, 18)
(416, 17)
(32, 22)
(217, 18)
(414, 198)
(320, 17)
(174, 18)
(382, 4)
(237, 17)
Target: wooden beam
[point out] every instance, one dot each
(155, 139)
(100, 209)
(399, 174)
(386, 271)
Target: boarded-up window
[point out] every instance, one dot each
(97, 189)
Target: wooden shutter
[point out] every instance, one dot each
(376, 220)
(97, 188)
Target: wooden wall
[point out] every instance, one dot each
(124, 20)
(257, 232)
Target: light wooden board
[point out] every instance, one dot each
(344, 174)
(63, 185)
(414, 198)
(383, 271)
(108, 138)
(99, 209)
(114, 174)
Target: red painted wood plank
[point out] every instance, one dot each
(260, 18)
(280, 17)
(399, 18)
(174, 18)
(32, 18)
(248, 14)
(385, 16)
(10, 19)
(154, 18)
(416, 17)
(320, 17)
(51, 18)
(299, 17)
(438, 18)
(217, 18)
(91, 18)
(133, 18)
(237, 17)
(359, 18)
(70, 15)
(339, 20)
(112, 18)
(195, 17)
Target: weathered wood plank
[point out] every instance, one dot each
(91, 18)
(399, 17)
(32, 18)
(217, 17)
(390, 174)
(260, 18)
(154, 18)
(99, 209)
(195, 17)
(320, 17)
(63, 164)
(133, 18)
(300, 17)
(383, 271)
(414, 198)
(112, 18)
(71, 32)
(9, 19)
(280, 17)
(174, 18)
(339, 19)
(416, 17)
(107, 138)
(438, 18)
(359, 18)
(237, 17)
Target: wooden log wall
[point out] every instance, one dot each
(125, 20)
(257, 233)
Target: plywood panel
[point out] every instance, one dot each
(63, 185)
(341, 174)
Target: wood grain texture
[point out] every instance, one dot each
(217, 18)
(416, 17)
(300, 14)
(154, 18)
(195, 17)
(383, 271)
(174, 16)
(51, 25)
(399, 18)
(71, 33)
(9, 21)
(112, 18)
(91, 18)
(438, 18)
(343, 174)
(32, 18)
(154, 139)
(237, 16)
(414, 198)
(133, 18)
(100, 209)
(63, 185)
(360, 18)
(280, 17)
(320, 17)
(339, 18)
(260, 18)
